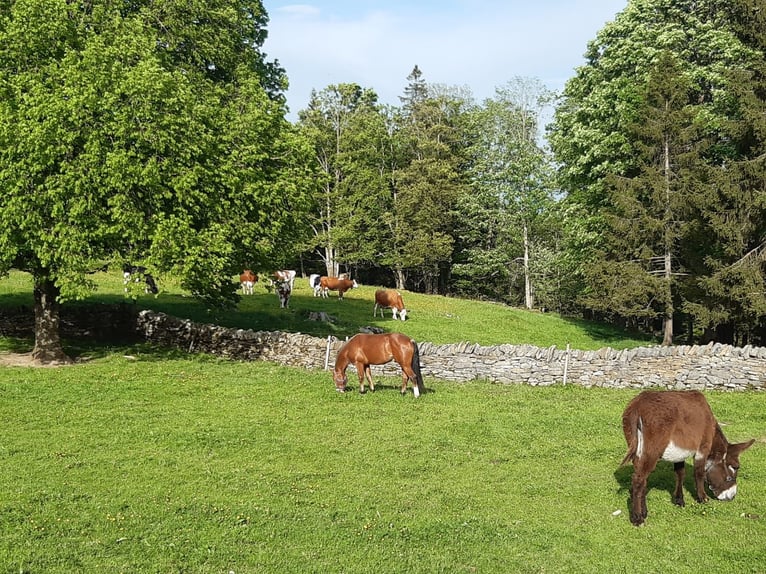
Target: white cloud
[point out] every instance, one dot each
(479, 44)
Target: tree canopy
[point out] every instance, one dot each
(141, 131)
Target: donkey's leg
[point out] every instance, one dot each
(642, 468)
(699, 479)
(678, 495)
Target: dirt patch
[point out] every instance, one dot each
(24, 360)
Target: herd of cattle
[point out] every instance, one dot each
(284, 280)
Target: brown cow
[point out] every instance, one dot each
(385, 299)
(672, 426)
(247, 280)
(335, 284)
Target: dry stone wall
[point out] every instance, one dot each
(712, 366)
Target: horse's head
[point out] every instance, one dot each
(341, 380)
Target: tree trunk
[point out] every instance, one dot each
(528, 298)
(48, 347)
(399, 277)
(667, 327)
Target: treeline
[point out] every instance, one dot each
(156, 133)
(645, 208)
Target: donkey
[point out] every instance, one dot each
(672, 426)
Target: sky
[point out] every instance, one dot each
(478, 44)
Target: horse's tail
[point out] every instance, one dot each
(416, 366)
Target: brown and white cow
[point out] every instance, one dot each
(386, 299)
(327, 284)
(673, 426)
(284, 289)
(247, 279)
(286, 275)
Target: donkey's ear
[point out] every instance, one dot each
(736, 449)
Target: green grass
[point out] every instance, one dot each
(163, 464)
(431, 318)
(146, 460)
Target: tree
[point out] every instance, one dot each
(426, 184)
(510, 192)
(348, 135)
(141, 131)
(594, 140)
(649, 215)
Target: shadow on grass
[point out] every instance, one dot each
(663, 478)
(607, 333)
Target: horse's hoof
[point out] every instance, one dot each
(362, 391)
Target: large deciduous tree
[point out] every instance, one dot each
(149, 131)
(503, 215)
(347, 133)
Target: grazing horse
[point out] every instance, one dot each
(128, 272)
(247, 281)
(327, 284)
(284, 289)
(672, 426)
(385, 299)
(286, 275)
(365, 349)
(314, 283)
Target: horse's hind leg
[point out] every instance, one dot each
(409, 375)
(368, 374)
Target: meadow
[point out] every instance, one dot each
(144, 460)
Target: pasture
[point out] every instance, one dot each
(166, 464)
(144, 460)
(431, 318)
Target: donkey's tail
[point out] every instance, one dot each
(631, 427)
(416, 366)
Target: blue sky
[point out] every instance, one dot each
(480, 44)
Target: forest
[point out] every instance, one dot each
(157, 133)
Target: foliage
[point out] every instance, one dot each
(156, 463)
(714, 173)
(142, 132)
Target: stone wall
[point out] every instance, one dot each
(682, 367)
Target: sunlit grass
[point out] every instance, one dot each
(156, 464)
(431, 318)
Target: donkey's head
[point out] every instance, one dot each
(721, 469)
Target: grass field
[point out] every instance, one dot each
(431, 318)
(142, 460)
(198, 465)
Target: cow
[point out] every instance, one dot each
(327, 284)
(673, 426)
(385, 299)
(247, 280)
(284, 289)
(314, 283)
(137, 274)
(285, 275)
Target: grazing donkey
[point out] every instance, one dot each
(674, 425)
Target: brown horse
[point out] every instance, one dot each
(364, 350)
